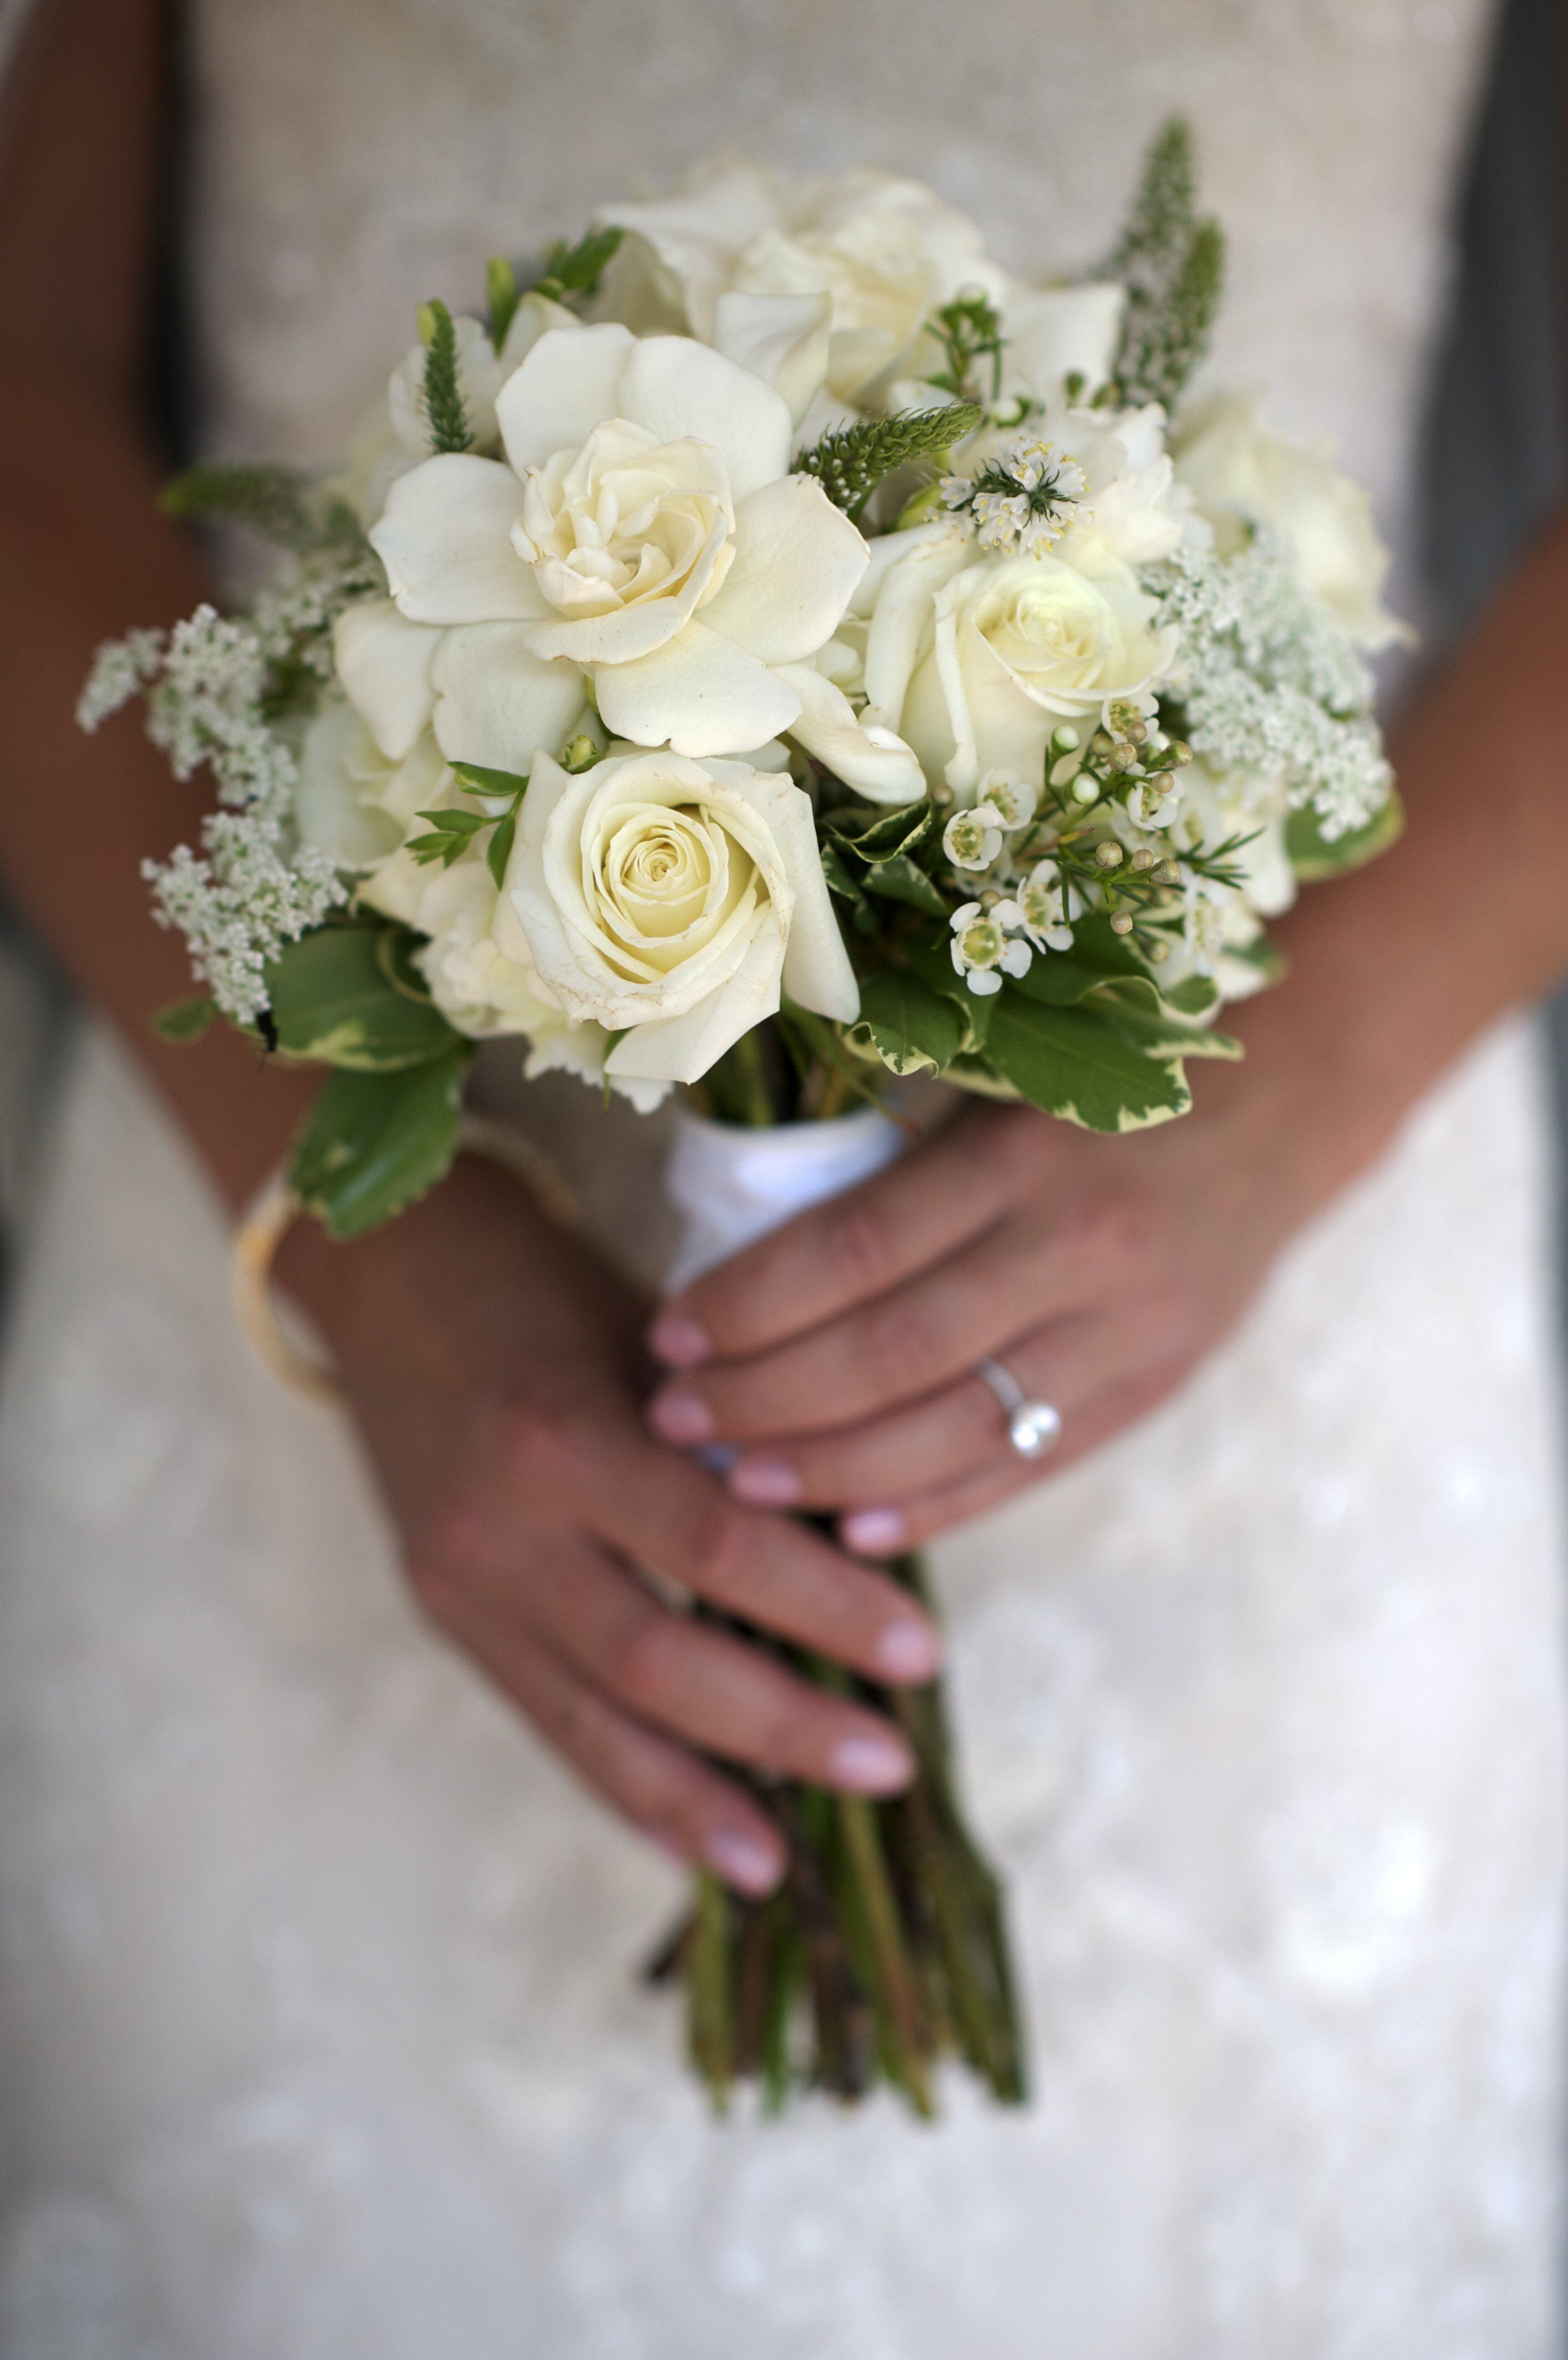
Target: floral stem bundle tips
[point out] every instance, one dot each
(773, 652)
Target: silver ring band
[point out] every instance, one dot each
(1032, 1426)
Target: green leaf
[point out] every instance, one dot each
(375, 1142)
(932, 962)
(577, 269)
(899, 878)
(876, 834)
(836, 876)
(1313, 857)
(1077, 1067)
(1140, 1017)
(183, 1020)
(446, 413)
(331, 1001)
(500, 849)
(461, 823)
(503, 297)
(1058, 979)
(913, 1027)
(851, 461)
(486, 782)
(1194, 996)
(1097, 944)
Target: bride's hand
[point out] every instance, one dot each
(496, 1373)
(840, 1353)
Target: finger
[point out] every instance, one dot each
(850, 1250)
(715, 1691)
(897, 1348)
(655, 1509)
(951, 1433)
(664, 1790)
(888, 1531)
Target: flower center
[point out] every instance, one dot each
(624, 519)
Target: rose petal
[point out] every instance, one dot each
(682, 1048)
(874, 761)
(676, 388)
(699, 693)
(1060, 330)
(817, 970)
(496, 702)
(444, 538)
(797, 560)
(782, 339)
(384, 665)
(569, 381)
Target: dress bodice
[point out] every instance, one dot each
(356, 158)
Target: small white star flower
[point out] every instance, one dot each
(973, 839)
(987, 946)
(1018, 499)
(1009, 793)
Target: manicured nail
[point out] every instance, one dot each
(873, 1531)
(765, 1482)
(678, 1341)
(681, 1418)
(742, 1860)
(907, 1652)
(869, 1765)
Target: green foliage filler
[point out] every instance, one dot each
(503, 296)
(851, 461)
(278, 504)
(577, 269)
(1173, 265)
(185, 1020)
(373, 1144)
(446, 413)
(1314, 855)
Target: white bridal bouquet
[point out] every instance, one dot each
(773, 652)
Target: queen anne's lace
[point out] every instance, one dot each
(1270, 685)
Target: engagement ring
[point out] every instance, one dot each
(1032, 1426)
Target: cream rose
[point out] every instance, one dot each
(887, 253)
(643, 533)
(671, 900)
(974, 664)
(1237, 472)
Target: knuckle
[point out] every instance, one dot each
(723, 1544)
(1112, 1237)
(897, 1341)
(856, 1244)
(640, 1659)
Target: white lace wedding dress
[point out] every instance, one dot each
(317, 2025)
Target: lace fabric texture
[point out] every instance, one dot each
(320, 2036)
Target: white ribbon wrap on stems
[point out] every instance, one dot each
(732, 1185)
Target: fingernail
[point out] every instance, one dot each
(742, 1860)
(677, 1340)
(869, 1765)
(765, 1482)
(681, 1418)
(907, 1652)
(875, 1532)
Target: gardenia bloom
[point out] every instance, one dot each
(885, 252)
(1239, 472)
(643, 533)
(671, 900)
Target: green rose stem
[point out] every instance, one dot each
(889, 1926)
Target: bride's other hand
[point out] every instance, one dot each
(839, 1355)
(494, 1371)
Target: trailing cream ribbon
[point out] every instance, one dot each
(274, 1205)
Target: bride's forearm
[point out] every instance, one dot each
(1396, 967)
(86, 553)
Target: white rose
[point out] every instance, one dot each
(885, 251)
(346, 789)
(671, 900)
(975, 663)
(1238, 472)
(643, 531)
(1055, 333)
